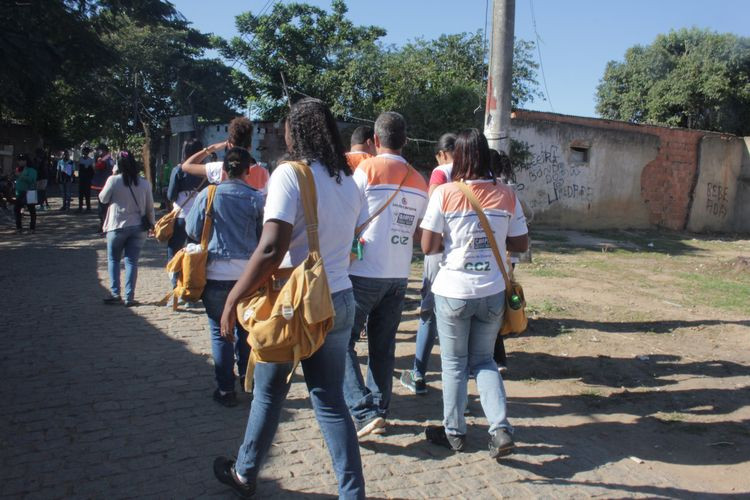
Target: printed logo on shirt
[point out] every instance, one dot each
(481, 243)
(405, 219)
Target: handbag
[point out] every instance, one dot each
(288, 318)
(145, 222)
(31, 197)
(357, 251)
(514, 319)
(192, 266)
(164, 227)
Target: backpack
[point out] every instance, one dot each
(288, 318)
(192, 266)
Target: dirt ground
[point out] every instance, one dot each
(637, 352)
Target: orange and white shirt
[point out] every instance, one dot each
(257, 175)
(468, 268)
(388, 239)
(354, 158)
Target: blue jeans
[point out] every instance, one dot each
(175, 243)
(379, 302)
(324, 375)
(129, 240)
(225, 353)
(66, 193)
(426, 333)
(467, 330)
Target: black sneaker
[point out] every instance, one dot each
(112, 300)
(229, 399)
(501, 444)
(225, 473)
(436, 435)
(132, 303)
(413, 383)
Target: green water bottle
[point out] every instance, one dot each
(515, 301)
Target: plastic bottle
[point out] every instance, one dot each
(515, 301)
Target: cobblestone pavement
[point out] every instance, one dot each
(109, 402)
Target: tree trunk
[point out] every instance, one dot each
(147, 170)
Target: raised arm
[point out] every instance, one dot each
(194, 165)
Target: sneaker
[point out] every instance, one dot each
(132, 303)
(375, 425)
(413, 383)
(229, 399)
(112, 300)
(225, 473)
(501, 444)
(502, 369)
(436, 435)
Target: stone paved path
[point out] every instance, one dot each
(109, 402)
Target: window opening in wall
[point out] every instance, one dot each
(579, 154)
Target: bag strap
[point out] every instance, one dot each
(135, 200)
(208, 223)
(309, 198)
(485, 223)
(193, 192)
(363, 226)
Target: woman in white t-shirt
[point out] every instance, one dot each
(469, 289)
(311, 136)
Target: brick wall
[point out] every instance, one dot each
(667, 182)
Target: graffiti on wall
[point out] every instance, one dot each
(717, 197)
(551, 180)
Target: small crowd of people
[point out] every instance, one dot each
(373, 207)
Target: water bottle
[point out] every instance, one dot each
(515, 301)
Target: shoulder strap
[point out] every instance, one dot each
(208, 223)
(195, 191)
(363, 226)
(466, 190)
(134, 199)
(309, 198)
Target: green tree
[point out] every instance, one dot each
(689, 78)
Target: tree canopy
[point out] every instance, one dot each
(689, 78)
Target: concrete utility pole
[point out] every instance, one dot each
(500, 81)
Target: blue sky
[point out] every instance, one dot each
(578, 36)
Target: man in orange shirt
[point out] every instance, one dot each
(240, 135)
(362, 146)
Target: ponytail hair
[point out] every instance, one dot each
(236, 162)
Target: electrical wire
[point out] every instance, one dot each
(539, 52)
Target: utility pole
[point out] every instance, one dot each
(500, 79)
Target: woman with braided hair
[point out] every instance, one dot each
(237, 217)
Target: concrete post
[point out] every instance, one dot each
(500, 80)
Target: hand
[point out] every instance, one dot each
(228, 322)
(150, 233)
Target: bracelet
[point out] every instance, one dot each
(205, 150)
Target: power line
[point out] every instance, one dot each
(539, 52)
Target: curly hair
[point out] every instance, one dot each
(314, 135)
(240, 132)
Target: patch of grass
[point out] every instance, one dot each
(544, 307)
(671, 417)
(591, 393)
(548, 272)
(717, 291)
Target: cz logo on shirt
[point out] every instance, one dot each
(400, 240)
(477, 266)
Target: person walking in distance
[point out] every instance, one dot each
(237, 221)
(427, 330)
(395, 196)
(85, 174)
(128, 198)
(65, 178)
(362, 146)
(312, 137)
(103, 168)
(25, 182)
(470, 290)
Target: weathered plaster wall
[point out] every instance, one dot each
(719, 166)
(602, 191)
(741, 211)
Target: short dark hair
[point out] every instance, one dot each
(236, 162)
(190, 147)
(390, 127)
(446, 143)
(361, 134)
(471, 156)
(240, 132)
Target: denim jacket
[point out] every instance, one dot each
(237, 214)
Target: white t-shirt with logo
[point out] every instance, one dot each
(469, 268)
(339, 206)
(388, 239)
